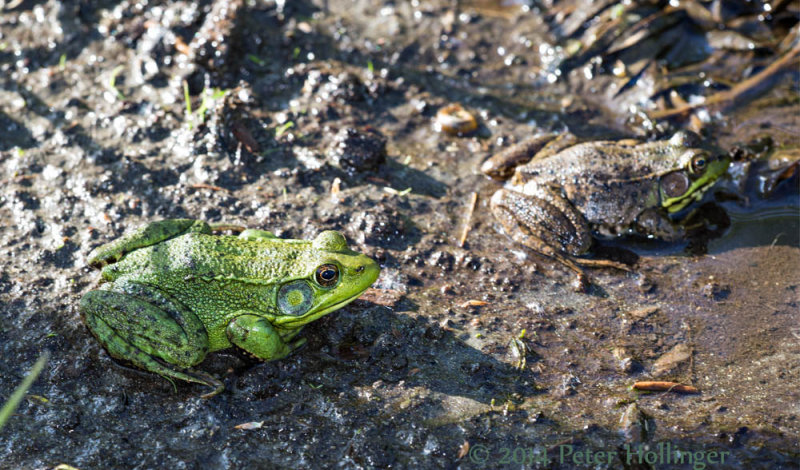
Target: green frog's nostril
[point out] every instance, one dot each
(360, 269)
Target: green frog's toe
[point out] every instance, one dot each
(298, 343)
(207, 379)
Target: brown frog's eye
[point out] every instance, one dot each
(674, 184)
(327, 275)
(699, 163)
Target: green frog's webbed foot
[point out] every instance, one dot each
(141, 325)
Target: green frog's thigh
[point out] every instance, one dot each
(140, 324)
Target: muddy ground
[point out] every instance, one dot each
(320, 115)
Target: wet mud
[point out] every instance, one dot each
(469, 351)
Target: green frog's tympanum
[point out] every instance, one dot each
(554, 202)
(174, 292)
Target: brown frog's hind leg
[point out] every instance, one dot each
(141, 325)
(546, 223)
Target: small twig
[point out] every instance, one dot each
(474, 303)
(207, 186)
(655, 386)
(468, 223)
(602, 263)
(774, 241)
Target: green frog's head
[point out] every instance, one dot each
(334, 276)
(699, 167)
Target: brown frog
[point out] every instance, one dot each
(566, 192)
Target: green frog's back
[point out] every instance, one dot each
(213, 256)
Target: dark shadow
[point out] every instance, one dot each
(15, 134)
(392, 347)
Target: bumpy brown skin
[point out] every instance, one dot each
(566, 192)
(174, 292)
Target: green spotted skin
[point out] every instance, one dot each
(174, 291)
(217, 276)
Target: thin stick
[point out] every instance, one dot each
(207, 186)
(654, 386)
(468, 222)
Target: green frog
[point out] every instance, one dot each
(175, 291)
(566, 192)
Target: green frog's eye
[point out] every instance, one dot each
(674, 184)
(327, 275)
(699, 163)
(295, 298)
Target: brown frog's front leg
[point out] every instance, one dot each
(654, 222)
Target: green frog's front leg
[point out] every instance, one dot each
(257, 336)
(142, 325)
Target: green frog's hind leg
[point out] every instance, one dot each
(148, 235)
(139, 324)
